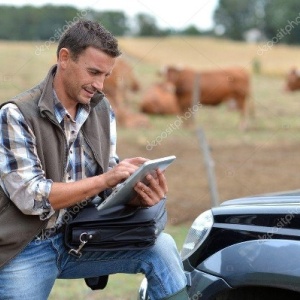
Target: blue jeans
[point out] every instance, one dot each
(31, 274)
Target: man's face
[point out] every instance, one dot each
(84, 77)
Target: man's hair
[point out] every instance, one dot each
(84, 34)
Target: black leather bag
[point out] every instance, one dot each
(116, 228)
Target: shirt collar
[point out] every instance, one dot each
(60, 111)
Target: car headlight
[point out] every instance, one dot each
(197, 234)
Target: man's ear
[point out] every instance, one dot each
(64, 56)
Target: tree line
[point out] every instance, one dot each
(46, 22)
(277, 21)
(273, 20)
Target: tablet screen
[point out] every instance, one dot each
(124, 192)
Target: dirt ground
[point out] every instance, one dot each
(240, 170)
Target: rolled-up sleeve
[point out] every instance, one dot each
(22, 176)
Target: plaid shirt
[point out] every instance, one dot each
(22, 177)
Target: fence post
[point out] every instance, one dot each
(210, 165)
(208, 161)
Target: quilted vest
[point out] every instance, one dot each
(36, 105)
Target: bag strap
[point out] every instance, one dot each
(97, 283)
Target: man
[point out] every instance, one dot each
(57, 150)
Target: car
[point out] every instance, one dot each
(244, 249)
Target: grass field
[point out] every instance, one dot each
(208, 53)
(273, 136)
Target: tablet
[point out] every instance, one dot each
(124, 192)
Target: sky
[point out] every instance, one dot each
(168, 13)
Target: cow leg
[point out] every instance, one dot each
(251, 108)
(242, 107)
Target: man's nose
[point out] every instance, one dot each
(98, 83)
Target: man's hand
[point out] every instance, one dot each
(149, 195)
(122, 171)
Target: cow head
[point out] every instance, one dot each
(293, 80)
(171, 73)
(134, 84)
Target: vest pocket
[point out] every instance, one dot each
(4, 201)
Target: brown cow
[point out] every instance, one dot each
(215, 87)
(293, 80)
(117, 87)
(160, 99)
(129, 119)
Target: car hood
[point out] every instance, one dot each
(282, 203)
(278, 199)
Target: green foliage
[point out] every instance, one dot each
(34, 23)
(48, 22)
(191, 30)
(147, 25)
(283, 21)
(236, 16)
(279, 22)
(114, 21)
